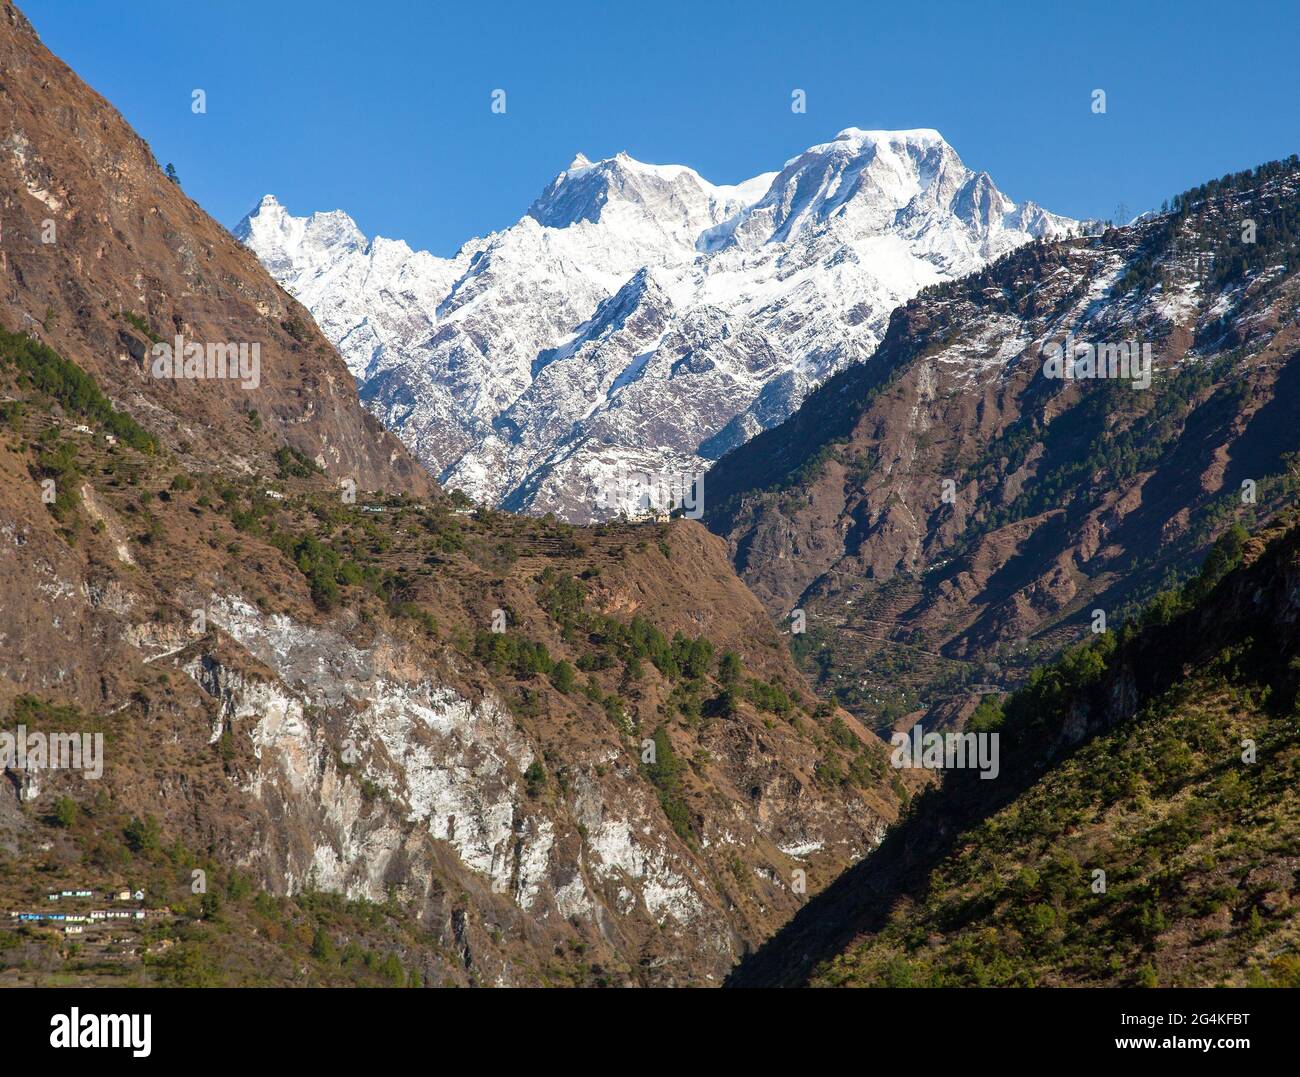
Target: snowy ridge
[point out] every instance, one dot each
(639, 317)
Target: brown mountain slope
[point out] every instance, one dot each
(946, 515)
(302, 694)
(382, 742)
(101, 252)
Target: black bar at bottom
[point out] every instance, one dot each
(334, 1026)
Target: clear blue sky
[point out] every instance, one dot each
(382, 107)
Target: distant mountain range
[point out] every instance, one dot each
(639, 318)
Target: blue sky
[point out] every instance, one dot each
(383, 108)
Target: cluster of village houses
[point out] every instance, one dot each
(75, 923)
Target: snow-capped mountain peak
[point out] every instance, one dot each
(285, 241)
(673, 200)
(638, 316)
(875, 182)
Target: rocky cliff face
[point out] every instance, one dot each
(474, 747)
(639, 318)
(949, 511)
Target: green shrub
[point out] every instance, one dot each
(535, 777)
(729, 667)
(142, 835)
(65, 811)
(562, 677)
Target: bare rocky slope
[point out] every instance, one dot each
(302, 693)
(946, 515)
